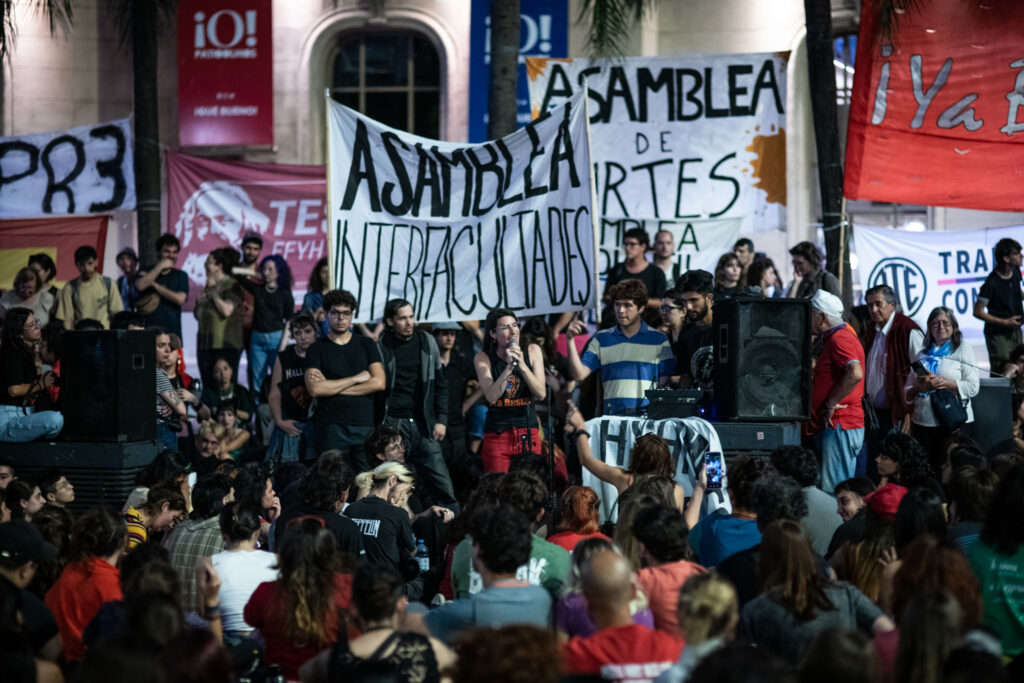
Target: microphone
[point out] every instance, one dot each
(514, 344)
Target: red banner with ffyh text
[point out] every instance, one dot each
(225, 73)
(937, 117)
(212, 204)
(56, 237)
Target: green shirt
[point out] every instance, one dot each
(217, 331)
(548, 567)
(1002, 593)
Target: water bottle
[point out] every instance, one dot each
(422, 556)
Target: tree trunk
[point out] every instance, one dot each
(147, 126)
(502, 106)
(822, 79)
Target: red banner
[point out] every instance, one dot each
(938, 117)
(56, 237)
(225, 73)
(212, 204)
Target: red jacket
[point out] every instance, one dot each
(897, 362)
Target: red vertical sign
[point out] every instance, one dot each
(225, 73)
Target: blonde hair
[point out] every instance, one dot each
(381, 473)
(708, 607)
(211, 428)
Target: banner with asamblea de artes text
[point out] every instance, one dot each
(460, 229)
(929, 269)
(84, 170)
(683, 139)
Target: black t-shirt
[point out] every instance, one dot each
(1004, 299)
(514, 408)
(271, 310)
(695, 355)
(337, 362)
(457, 374)
(387, 533)
(295, 399)
(652, 276)
(38, 625)
(350, 540)
(405, 386)
(168, 314)
(17, 366)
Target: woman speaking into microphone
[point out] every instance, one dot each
(510, 379)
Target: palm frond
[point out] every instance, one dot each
(889, 13)
(58, 14)
(610, 22)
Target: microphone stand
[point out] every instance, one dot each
(553, 499)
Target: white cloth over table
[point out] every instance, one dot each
(689, 439)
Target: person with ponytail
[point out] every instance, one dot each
(241, 567)
(298, 614)
(98, 539)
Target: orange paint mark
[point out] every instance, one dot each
(770, 165)
(535, 66)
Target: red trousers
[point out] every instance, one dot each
(498, 449)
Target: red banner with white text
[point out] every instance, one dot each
(937, 116)
(212, 204)
(225, 73)
(56, 237)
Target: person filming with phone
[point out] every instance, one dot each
(944, 364)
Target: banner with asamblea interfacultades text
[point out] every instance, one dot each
(460, 229)
(84, 170)
(695, 144)
(929, 269)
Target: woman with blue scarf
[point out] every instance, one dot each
(951, 365)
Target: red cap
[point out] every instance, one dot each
(885, 500)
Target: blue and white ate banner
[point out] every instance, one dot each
(929, 269)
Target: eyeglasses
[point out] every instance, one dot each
(663, 308)
(34, 323)
(941, 323)
(339, 314)
(510, 326)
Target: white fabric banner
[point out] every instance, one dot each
(684, 138)
(699, 243)
(89, 169)
(929, 269)
(456, 229)
(689, 439)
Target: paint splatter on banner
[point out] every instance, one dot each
(680, 139)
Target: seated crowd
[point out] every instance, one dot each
(401, 503)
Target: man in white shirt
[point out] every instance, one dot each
(889, 346)
(665, 257)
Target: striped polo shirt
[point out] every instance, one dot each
(629, 366)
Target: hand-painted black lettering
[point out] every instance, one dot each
(361, 169)
(53, 186)
(112, 168)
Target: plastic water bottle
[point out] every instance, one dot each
(422, 556)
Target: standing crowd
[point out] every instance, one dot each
(405, 501)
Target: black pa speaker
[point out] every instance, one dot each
(993, 412)
(108, 385)
(762, 359)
